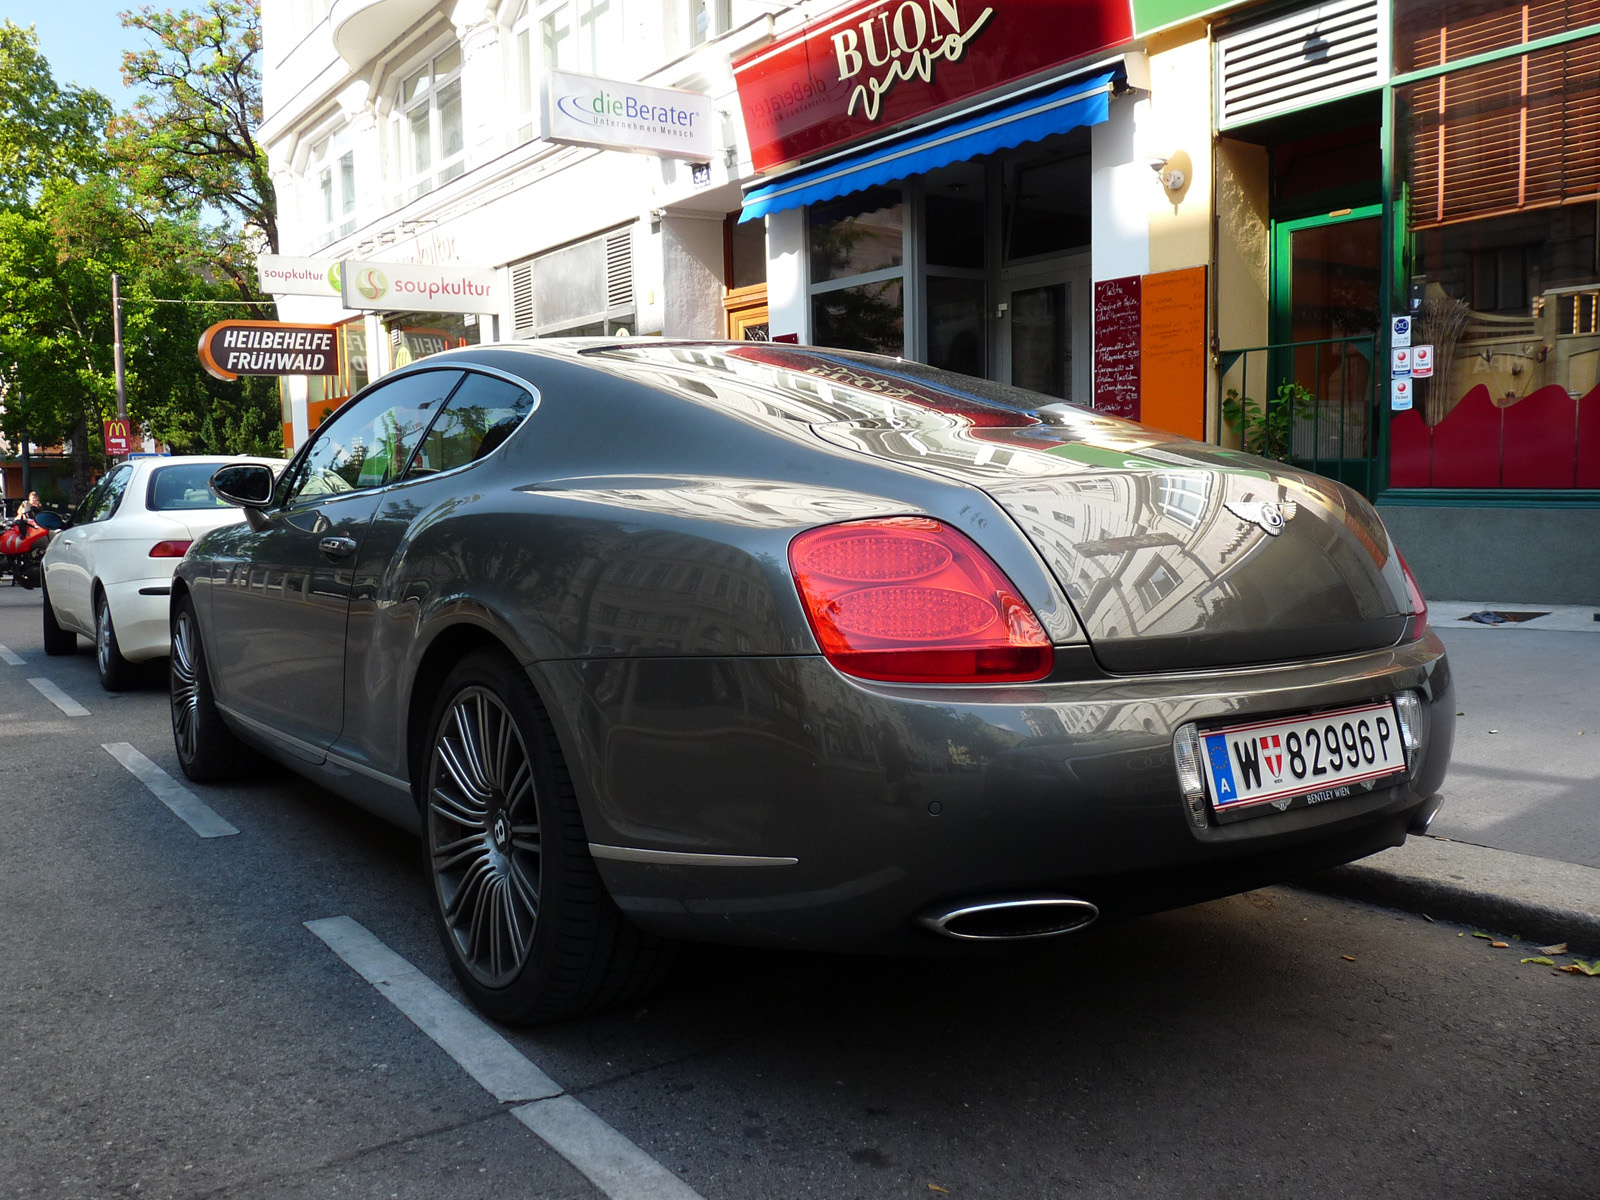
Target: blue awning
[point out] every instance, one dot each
(1081, 102)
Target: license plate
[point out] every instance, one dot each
(1273, 765)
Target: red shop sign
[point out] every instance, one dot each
(883, 62)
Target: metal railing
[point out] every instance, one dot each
(1312, 404)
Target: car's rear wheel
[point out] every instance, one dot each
(526, 921)
(117, 674)
(57, 641)
(207, 749)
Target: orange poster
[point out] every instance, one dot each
(1172, 382)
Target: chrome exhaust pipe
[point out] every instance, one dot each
(1009, 919)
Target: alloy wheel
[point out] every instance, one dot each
(102, 638)
(185, 690)
(483, 836)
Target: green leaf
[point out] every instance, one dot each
(1590, 969)
(1543, 962)
(1488, 937)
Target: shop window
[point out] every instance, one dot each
(417, 335)
(1047, 204)
(333, 174)
(428, 140)
(857, 252)
(325, 393)
(1430, 33)
(1503, 219)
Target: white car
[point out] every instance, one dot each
(108, 574)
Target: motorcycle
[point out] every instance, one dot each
(23, 543)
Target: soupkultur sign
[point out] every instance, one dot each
(230, 349)
(582, 110)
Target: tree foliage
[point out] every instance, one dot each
(190, 142)
(80, 208)
(47, 130)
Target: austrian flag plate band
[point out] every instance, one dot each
(1307, 759)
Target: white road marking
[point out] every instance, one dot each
(184, 803)
(59, 698)
(10, 657)
(607, 1159)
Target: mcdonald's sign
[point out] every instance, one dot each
(119, 437)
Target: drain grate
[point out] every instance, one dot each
(1497, 616)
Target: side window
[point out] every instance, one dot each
(107, 494)
(369, 442)
(483, 412)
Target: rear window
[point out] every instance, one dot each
(184, 485)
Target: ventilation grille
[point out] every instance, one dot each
(619, 270)
(1308, 57)
(522, 321)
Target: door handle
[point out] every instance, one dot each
(337, 547)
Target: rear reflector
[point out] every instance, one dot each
(911, 600)
(170, 549)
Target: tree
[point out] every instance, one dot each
(47, 131)
(191, 144)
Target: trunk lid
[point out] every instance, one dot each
(1176, 555)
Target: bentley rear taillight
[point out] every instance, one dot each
(911, 600)
(1417, 624)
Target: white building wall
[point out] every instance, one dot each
(1121, 189)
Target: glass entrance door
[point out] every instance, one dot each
(1044, 342)
(1327, 279)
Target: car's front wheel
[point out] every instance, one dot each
(207, 749)
(117, 674)
(531, 933)
(57, 641)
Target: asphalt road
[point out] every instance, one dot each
(170, 1027)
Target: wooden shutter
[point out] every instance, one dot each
(1508, 136)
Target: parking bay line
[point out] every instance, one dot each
(184, 803)
(10, 657)
(603, 1156)
(59, 698)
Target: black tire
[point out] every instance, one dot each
(527, 924)
(117, 674)
(57, 641)
(207, 749)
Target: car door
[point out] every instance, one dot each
(70, 573)
(280, 595)
(481, 414)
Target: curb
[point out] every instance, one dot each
(1540, 900)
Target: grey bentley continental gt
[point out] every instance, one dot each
(795, 647)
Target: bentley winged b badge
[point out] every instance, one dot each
(1270, 517)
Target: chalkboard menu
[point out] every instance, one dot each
(1116, 347)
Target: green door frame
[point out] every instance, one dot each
(1281, 330)
(1282, 230)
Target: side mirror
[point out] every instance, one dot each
(249, 485)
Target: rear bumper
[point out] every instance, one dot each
(140, 613)
(773, 801)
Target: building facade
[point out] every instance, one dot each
(1361, 235)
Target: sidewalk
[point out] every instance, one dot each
(1516, 848)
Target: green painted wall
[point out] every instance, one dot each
(1156, 14)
